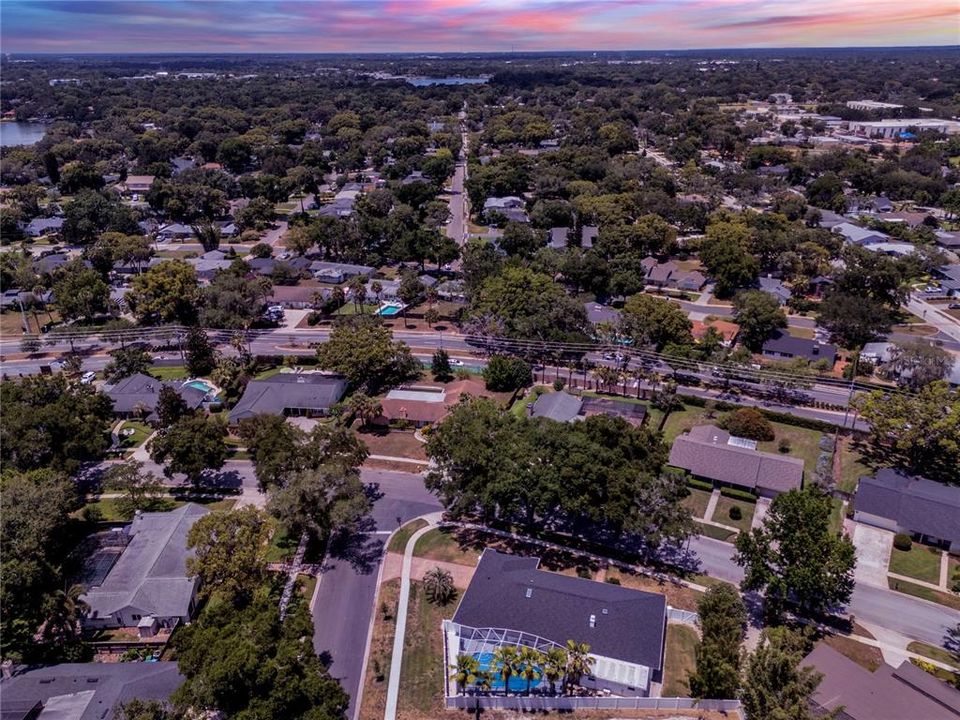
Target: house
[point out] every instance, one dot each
(711, 453)
(503, 203)
(290, 394)
(557, 406)
(337, 209)
(38, 227)
(949, 278)
(728, 330)
(876, 352)
(785, 347)
(859, 235)
(820, 284)
(48, 264)
(829, 219)
(948, 240)
(588, 236)
(887, 693)
(894, 128)
(693, 280)
(774, 287)
(661, 274)
(137, 184)
(510, 600)
(138, 395)
(181, 164)
(425, 404)
(210, 263)
(563, 407)
(296, 297)
(148, 578)
(894, 249)
(559, 237)
(335, 273)
(84, 691)
(174, 231)
(597, 313)
(925, 509)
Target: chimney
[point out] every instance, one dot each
(593, 621)
(529, 592)
(6, 668)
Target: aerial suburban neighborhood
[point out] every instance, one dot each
(390, 383)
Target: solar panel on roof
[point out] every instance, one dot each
(742, 442)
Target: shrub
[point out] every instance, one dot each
(584, 572)
(737, 494)
(748, 422)
(784, 445)
(902, 541)
(735, 513)
(613, 580)
(559, 384)
(700, 484)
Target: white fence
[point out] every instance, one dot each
(683, 616)
(532, 703)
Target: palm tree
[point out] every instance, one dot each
(467, 672)
(438, 584)
(554, 666)
(579, 662)
(364, 407)
(63, 614)
(376, 287)
(532, 669)
(507, 659)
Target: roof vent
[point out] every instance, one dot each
(604, 612)
(529, 592)
(593, 621)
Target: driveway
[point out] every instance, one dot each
(873, 554)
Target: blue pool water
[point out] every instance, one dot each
(516, 684)
(389, 310)
(201, 385)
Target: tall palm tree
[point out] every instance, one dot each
(532, 665)
(554, 666)
(579, 662)
(63, 614)
(507, 660)
(467, 672)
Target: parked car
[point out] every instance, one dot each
(88, 377)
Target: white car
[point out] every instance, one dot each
(456, 363)
(88, 377)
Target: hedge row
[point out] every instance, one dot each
(700, 484)
(772, 415)
(738, 494)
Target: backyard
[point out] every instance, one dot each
(680, 660)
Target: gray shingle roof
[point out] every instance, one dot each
(559, 406)
(142, 390)
(508, 591)
(784, 344)
(704, 452)
(311, 391)
(109, 684)
(151, 572)
(921, 505)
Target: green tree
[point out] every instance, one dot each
(192, 446)
(321, 500)
(201, 354)
(579, 662)
(229, 552)
(480, 261)
(410, 291)
(506, 658)
(274, 446)
(916, 363)
(920, 432)
(467, 672)
(506, 374)
(438, 586)
(775, 684)
(795, 557)
(521, 240)
(748, 422)
(80, 293)
(167, 292)
(63, 610)
(722, 621)
(554, 667)
(138, 489)
(649, 320)
(364, 407)
(127, 362)
(440, 366)
(137, 709)
(47, 423)
(759, 316)
(170, 406)
(362, 350)
(853, 319)
(725, 255)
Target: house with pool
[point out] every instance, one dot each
(137, 395)
(511, 601)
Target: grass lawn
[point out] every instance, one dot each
(441, 544)
(697, 501)
(852, 467)
(678, 596)
(350, 309)
(141, 431)
(712, 531)
(722, 513)
(519, 408)
(217, 505)
(953, 571)
(708, 581)
(925, 593)
(934, 653)
(421, 675)
(107, 509)
(169, 372)
(865, 656)
(395, 443)
(268, 373)
(398, 542)
(680, 660)
(680, 420)
(306, 585)
(282, 545)
(918, 562)
(836, 515)
(374, 701)
(803, 444)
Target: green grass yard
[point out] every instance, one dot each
(852, 468)
(421, 674)
(934, 653)
(697, 501)
(712, 531)
(170, 372)
(919, 562)
(398, 542)
(925, 593)
(440, 544)
(141, 431)
(680, 661)
(722, 513)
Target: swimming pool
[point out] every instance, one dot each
(201, 385)
(516, 683)
(389, 310)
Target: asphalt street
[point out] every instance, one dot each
(345, 599)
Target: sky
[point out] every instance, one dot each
(104, 26)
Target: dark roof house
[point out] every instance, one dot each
(711, 453)
(914, 505)
(558, 406)
(84, 691)
(290, 394)
(782, 345)
(625, 628)
(887, 693)
(140, 393)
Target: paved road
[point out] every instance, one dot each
(914, 618)
(345, 599)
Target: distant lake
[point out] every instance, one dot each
(21, 133)
(424, 81)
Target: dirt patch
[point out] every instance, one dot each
(678, 596)
(374, 701)
(396, 443)
(393, 566)
(866, 656)
(392, 465)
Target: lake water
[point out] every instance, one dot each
(424, 81)
(21, 133)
